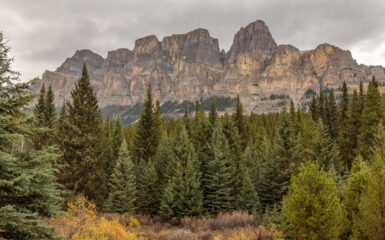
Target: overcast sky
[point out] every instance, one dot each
(43, 33)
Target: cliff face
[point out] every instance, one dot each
(191, 67)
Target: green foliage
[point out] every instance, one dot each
(82, 149)
(312, 207)
(355, 186)
(240, 123)
(148, 187)
(313, 108)
(50, 110)
(247, 199)
(147, 136)
(122, 184)
(324, 150)
(218, 175)
(28, 184)
(282, 159)
(355, 120)
(371, 116)
(183, 195)
(370, 222)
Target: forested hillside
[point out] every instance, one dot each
(301, 175)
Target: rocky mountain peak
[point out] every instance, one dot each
(74, 65)
(146, 45)
(254, 38)
(191, 67)
(117, 59)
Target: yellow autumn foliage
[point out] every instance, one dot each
(256, 233)
(81, 223)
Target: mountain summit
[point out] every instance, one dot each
(191, 67)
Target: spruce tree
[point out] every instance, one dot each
(298, 125)
(344, 120)
(248, 199)
(324, 150)
(39, 110)
(82, 151)
(184, 185)
(164, 161)
(217, 178)
(147, 137)
(28, 185)
(332, 120)
(370, 118)
(50, 110)
(362, 96)
(213, 115)
(117, 138)
(122, 184)
(240, 123)
(370, 223)
(312, 206)
(187, 122)
(355, 186)
(250, 161)
(292, 111)
(235, 145)
(148, 187)
(282, 162)
(320, 103)
(313, 108)
(355, 120)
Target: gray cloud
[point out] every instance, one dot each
(42, 33)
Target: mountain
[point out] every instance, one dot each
(190, 67)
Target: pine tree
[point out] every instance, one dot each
(217, 178)
(187, 122)
(355, 120)
(109, 160)
(240, 123)
(355, 186)
(117, 138)
(332, 121)
(39, 110)
(362, 96)
(324, 150)
(41, 135)
(320, 103)
(298, 125)
(122, 184)
(146, 140)
(164, 161)
(148, 188)
(28, 186)
(313, 108)
(250, 161)
(345, 145)
(292, 111)
(235, 145)
(281, 164)
(370, 223)
(312, 206)
(50, 110)
(184, 185)
(248, 199)
(371, 116)
(82, 151)
(213, 115)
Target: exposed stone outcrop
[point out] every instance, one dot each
(192, 67)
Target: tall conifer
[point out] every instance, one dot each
(370, 118)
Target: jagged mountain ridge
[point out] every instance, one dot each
(192, 67)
